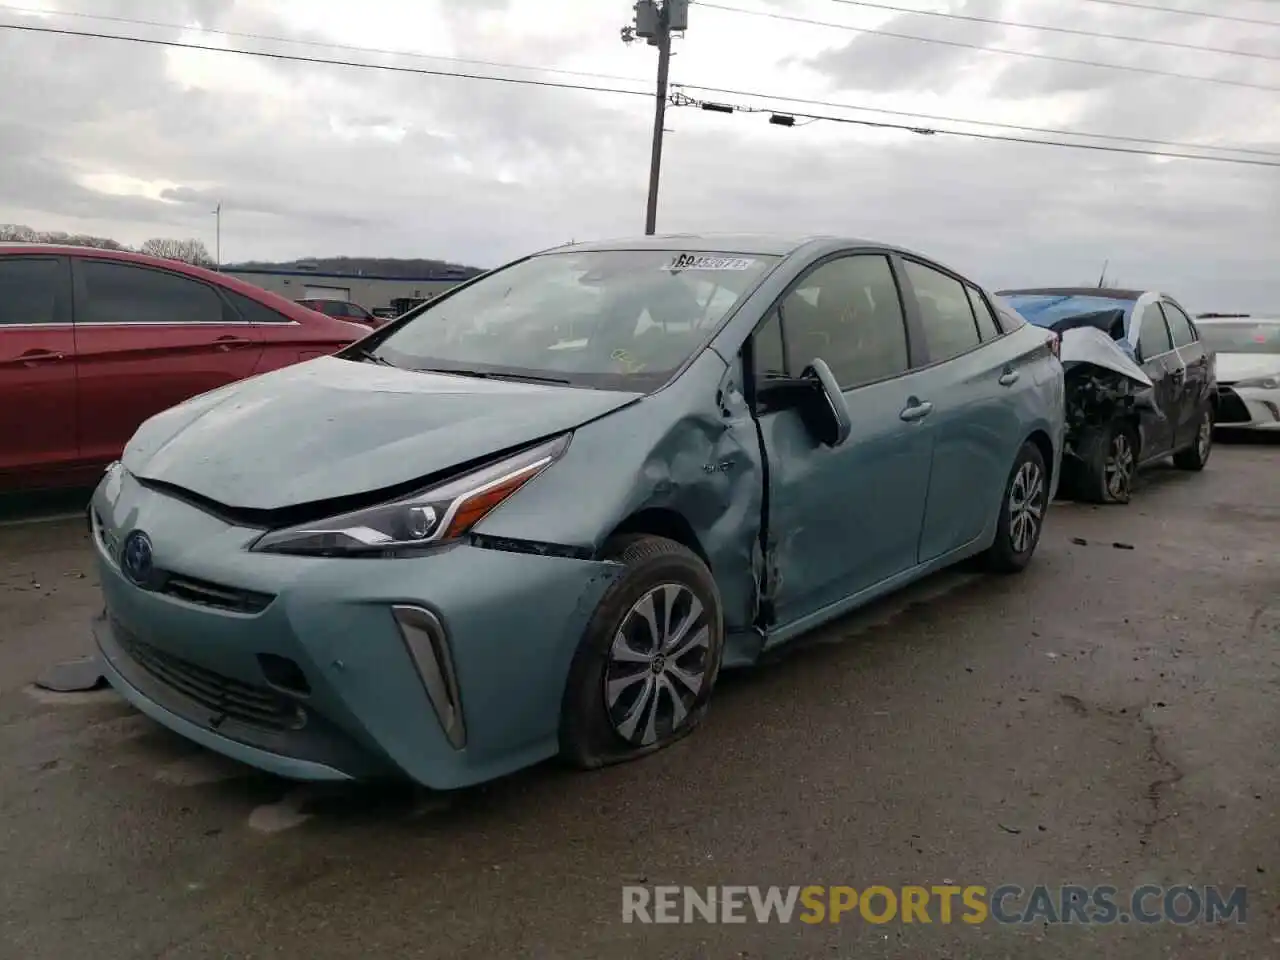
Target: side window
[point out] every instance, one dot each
(770, 361)
(949, 326)
(988, 328)
(1179, 325)
(253, 311)
(117, 293)
(848, 313)
(1153, 335)
(28, 290)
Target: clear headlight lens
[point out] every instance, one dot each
(443, 512)
(1264, 383)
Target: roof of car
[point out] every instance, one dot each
(1243, 318)
(761, 244)
(280, 304)
(1101, 293)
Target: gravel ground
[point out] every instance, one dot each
(1110, 717)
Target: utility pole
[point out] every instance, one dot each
(217, 236)
(655, 22)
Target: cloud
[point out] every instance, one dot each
(137, 141)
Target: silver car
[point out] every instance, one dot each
(1248, 350)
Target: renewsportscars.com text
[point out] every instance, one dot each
(972, 904)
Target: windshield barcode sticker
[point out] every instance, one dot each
(690, 261)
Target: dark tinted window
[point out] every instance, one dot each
(1179, 325)
(987, 325)
(28, 290)
(847, 312)
(1153, 335)
(255, 312)
(949, 327)
(117, 293)
(769, 358)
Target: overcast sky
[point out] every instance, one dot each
(133, 141)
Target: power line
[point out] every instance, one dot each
(681, 100)
(523, 81)
(1072, 31)
(1151, 71)
(298, 58)
(1050, 131)
(1183, 13)
(320, 44)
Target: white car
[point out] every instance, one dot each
(1248, 350)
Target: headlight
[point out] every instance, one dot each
(436, 514)
(1264, 383)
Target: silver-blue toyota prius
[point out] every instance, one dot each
(539, 513)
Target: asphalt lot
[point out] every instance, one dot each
(1112, 716)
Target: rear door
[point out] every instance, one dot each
(1154, 351)
(972, 377)
(37, 366)
(842, 520)
(147, 339)
(1193, 390)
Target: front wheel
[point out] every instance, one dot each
(1197, 455)
(1026, 498)
(1109, 462)
(645, 668)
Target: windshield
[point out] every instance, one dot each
(1245, 337)
(613, 319)
(1046, 310)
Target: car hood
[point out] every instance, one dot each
(332, 428)
(1089, 345)
(1246, 366)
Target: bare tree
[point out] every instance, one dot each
(17, 232)
(24, 234)
(188, 251)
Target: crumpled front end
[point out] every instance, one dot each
(447, 668)
(1103, 383)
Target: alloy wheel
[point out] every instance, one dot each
(657, 664)
(1026, 507)
(1119, 466)
(1204, 438)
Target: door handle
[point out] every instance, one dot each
(34, 358)
(916, 411)
(227, 343)
(1009, 378)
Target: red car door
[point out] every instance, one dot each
(37, 368)
(147, 339)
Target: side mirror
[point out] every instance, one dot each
(817, 397)
(839, 424)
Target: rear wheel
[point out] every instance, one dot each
(1197, 455)
(645, 668)
(1110, 462)
(1026, 497)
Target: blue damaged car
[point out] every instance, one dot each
(538, 514)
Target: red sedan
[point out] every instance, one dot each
(93, 342)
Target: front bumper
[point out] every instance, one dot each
(299, 666)
(1248, 408)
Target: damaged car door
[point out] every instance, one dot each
(1162, 364)
(840, 518)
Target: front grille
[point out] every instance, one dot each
(206, 594)
(1231, 409)
(224, 697)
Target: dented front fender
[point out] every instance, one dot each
(689, 450)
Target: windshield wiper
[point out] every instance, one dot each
(488, 375)
(368, 356)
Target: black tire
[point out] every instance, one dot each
(1109, 464)
(591, 728)
(1197, 455)
(1012, 551)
